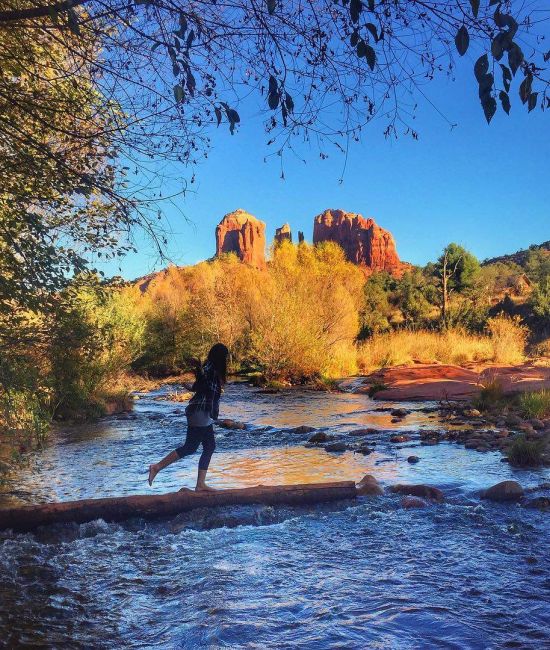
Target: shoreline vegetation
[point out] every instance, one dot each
(308, 318)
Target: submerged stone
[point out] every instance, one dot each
(420, 490)
(503, 491)
(369, 486)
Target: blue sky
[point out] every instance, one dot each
(485, 187)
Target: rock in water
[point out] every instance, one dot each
(400, 438)
(336, 446)
(320, 436)
(369, 486)
(423, 491)
(241, 233)
(413, 502)
(364, 242)
(413, 459)
(503, 491)
(230, 424)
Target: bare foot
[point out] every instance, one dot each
(205, 488)
(153, 471)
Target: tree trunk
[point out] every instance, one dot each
(167, 505)
(445, 293)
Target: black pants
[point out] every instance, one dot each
(196, 436)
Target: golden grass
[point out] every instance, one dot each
(505, 343)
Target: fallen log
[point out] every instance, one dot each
(28, 518)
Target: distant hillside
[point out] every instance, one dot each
(520, 257)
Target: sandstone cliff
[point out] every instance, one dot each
(241, 233)
(283, 233)
(363, 241)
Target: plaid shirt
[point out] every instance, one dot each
(208, 390)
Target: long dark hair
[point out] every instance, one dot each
(218, 358)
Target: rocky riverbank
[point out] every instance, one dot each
(449, 382)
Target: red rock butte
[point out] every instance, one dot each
(241, 233)
(363, 241)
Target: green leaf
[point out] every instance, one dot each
(175, 69)
(481, 67)
(361, 48)
(354, 38)
(190, 39)
(179, 94)
(289, 103)
(532, 102)
(372, 30)
(273, 94)
(489, 106)
(462, 40)
(500, 44)
(506, 77)
(355, 9)
(485, 86)
(525, 88)
(475, 7)
(515, 57)
(271, 6)
(505, 101)
(218, 113)
(370, 55)
(233, 118)
(371, 5)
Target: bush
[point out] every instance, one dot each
(509, 337)
(525, 453)
(490, 397)
(535, 404)
(405, 347)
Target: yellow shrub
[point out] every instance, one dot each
(508, 337)
(405, 347)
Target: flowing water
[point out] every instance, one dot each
(355, 574)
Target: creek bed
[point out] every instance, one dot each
(463, 574)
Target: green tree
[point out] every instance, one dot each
(376, 310)
(457, 270)
(411, 298)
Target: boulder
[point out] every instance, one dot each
(400, 438)
(241, 233)
(230, 424)
(400, 413)
(336, 446)
(303, 428)
(363, 432)
(472, 413)
(412, 502)
(512, 420)
(503, 491)
(541, 503)
(320, 436)
(364, 242)
(365, 450)
(421, 490)
(413, 459)
(369, 486)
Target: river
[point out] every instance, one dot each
(365, 573)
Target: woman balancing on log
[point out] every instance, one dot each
(201, 412)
